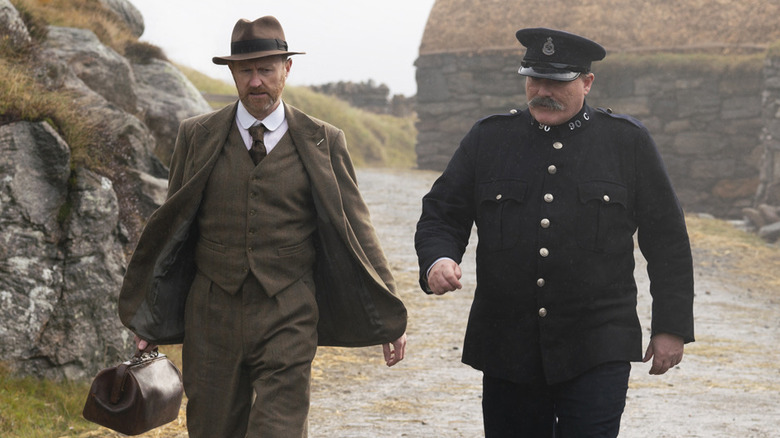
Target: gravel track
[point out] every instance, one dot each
(728, 384)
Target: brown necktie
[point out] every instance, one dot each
(257, 152)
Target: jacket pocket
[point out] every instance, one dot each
(602, 220)
(286, 251)
(499, 205)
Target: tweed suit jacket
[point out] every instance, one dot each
(355, 288)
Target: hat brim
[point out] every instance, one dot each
(224, 60)
(547, 73)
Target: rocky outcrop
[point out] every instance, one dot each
(128, 13)
(66, 229)
(61, 258)
(165, 97)
(12, 27)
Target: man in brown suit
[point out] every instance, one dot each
(263, 250)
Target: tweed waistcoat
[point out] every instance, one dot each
(257, 219)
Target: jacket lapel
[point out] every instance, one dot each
(210, 136)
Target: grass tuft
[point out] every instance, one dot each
(33, 408)
(139, 52)
(83, 14)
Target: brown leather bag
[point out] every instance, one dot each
(137, 395)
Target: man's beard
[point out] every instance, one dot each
(545, 102)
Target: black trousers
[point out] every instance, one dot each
(589, 405)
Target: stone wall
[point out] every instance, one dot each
(369, 96)
(764, 216)
(769, 178)
(704, 114)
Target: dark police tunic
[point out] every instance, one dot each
(556, 209)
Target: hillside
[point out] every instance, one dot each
(374, 140)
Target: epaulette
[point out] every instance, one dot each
(511, 113)
(626, 117)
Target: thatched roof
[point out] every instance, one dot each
(619, 25)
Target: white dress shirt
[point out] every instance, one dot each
(275, 126)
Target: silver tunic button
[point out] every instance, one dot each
(544, 252)
(558, 145)
(548, 198)
(606, 198)
(542, 312)
(552, 170)
(540, 282)
(545, 223)
(499, 196)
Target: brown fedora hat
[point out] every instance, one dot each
(256, 39)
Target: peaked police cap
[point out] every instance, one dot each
(557, 55)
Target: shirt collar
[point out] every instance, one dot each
(272, 122)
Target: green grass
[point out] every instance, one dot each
(33, 408)
(21, 98)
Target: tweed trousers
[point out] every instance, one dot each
(249, 345)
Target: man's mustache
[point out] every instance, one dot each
(545, 102)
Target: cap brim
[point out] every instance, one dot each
(224, 60)
(555, 75)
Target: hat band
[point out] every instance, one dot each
(260, 45)
(555, 66)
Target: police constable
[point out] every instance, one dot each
(557, 192)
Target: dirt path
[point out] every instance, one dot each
(728, 385)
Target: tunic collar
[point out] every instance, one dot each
(580, 121)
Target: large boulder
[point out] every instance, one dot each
(61, 259)
(166, 97)
(128, 13)
(66, 229)
(12, 28)
(99, 67)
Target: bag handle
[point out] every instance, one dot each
(121, 372)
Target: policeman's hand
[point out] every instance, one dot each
(666, 351)
(394, 352)
(143, 345)
(444, 277)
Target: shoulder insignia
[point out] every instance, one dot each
(511, 113)
(626, 117)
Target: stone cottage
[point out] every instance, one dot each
(698, 74)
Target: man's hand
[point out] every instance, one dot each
(444, 277)
(143, 345)
(666, 351)
(394, 352)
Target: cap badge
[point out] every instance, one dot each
(548, 48)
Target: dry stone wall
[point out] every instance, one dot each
(706, 120)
